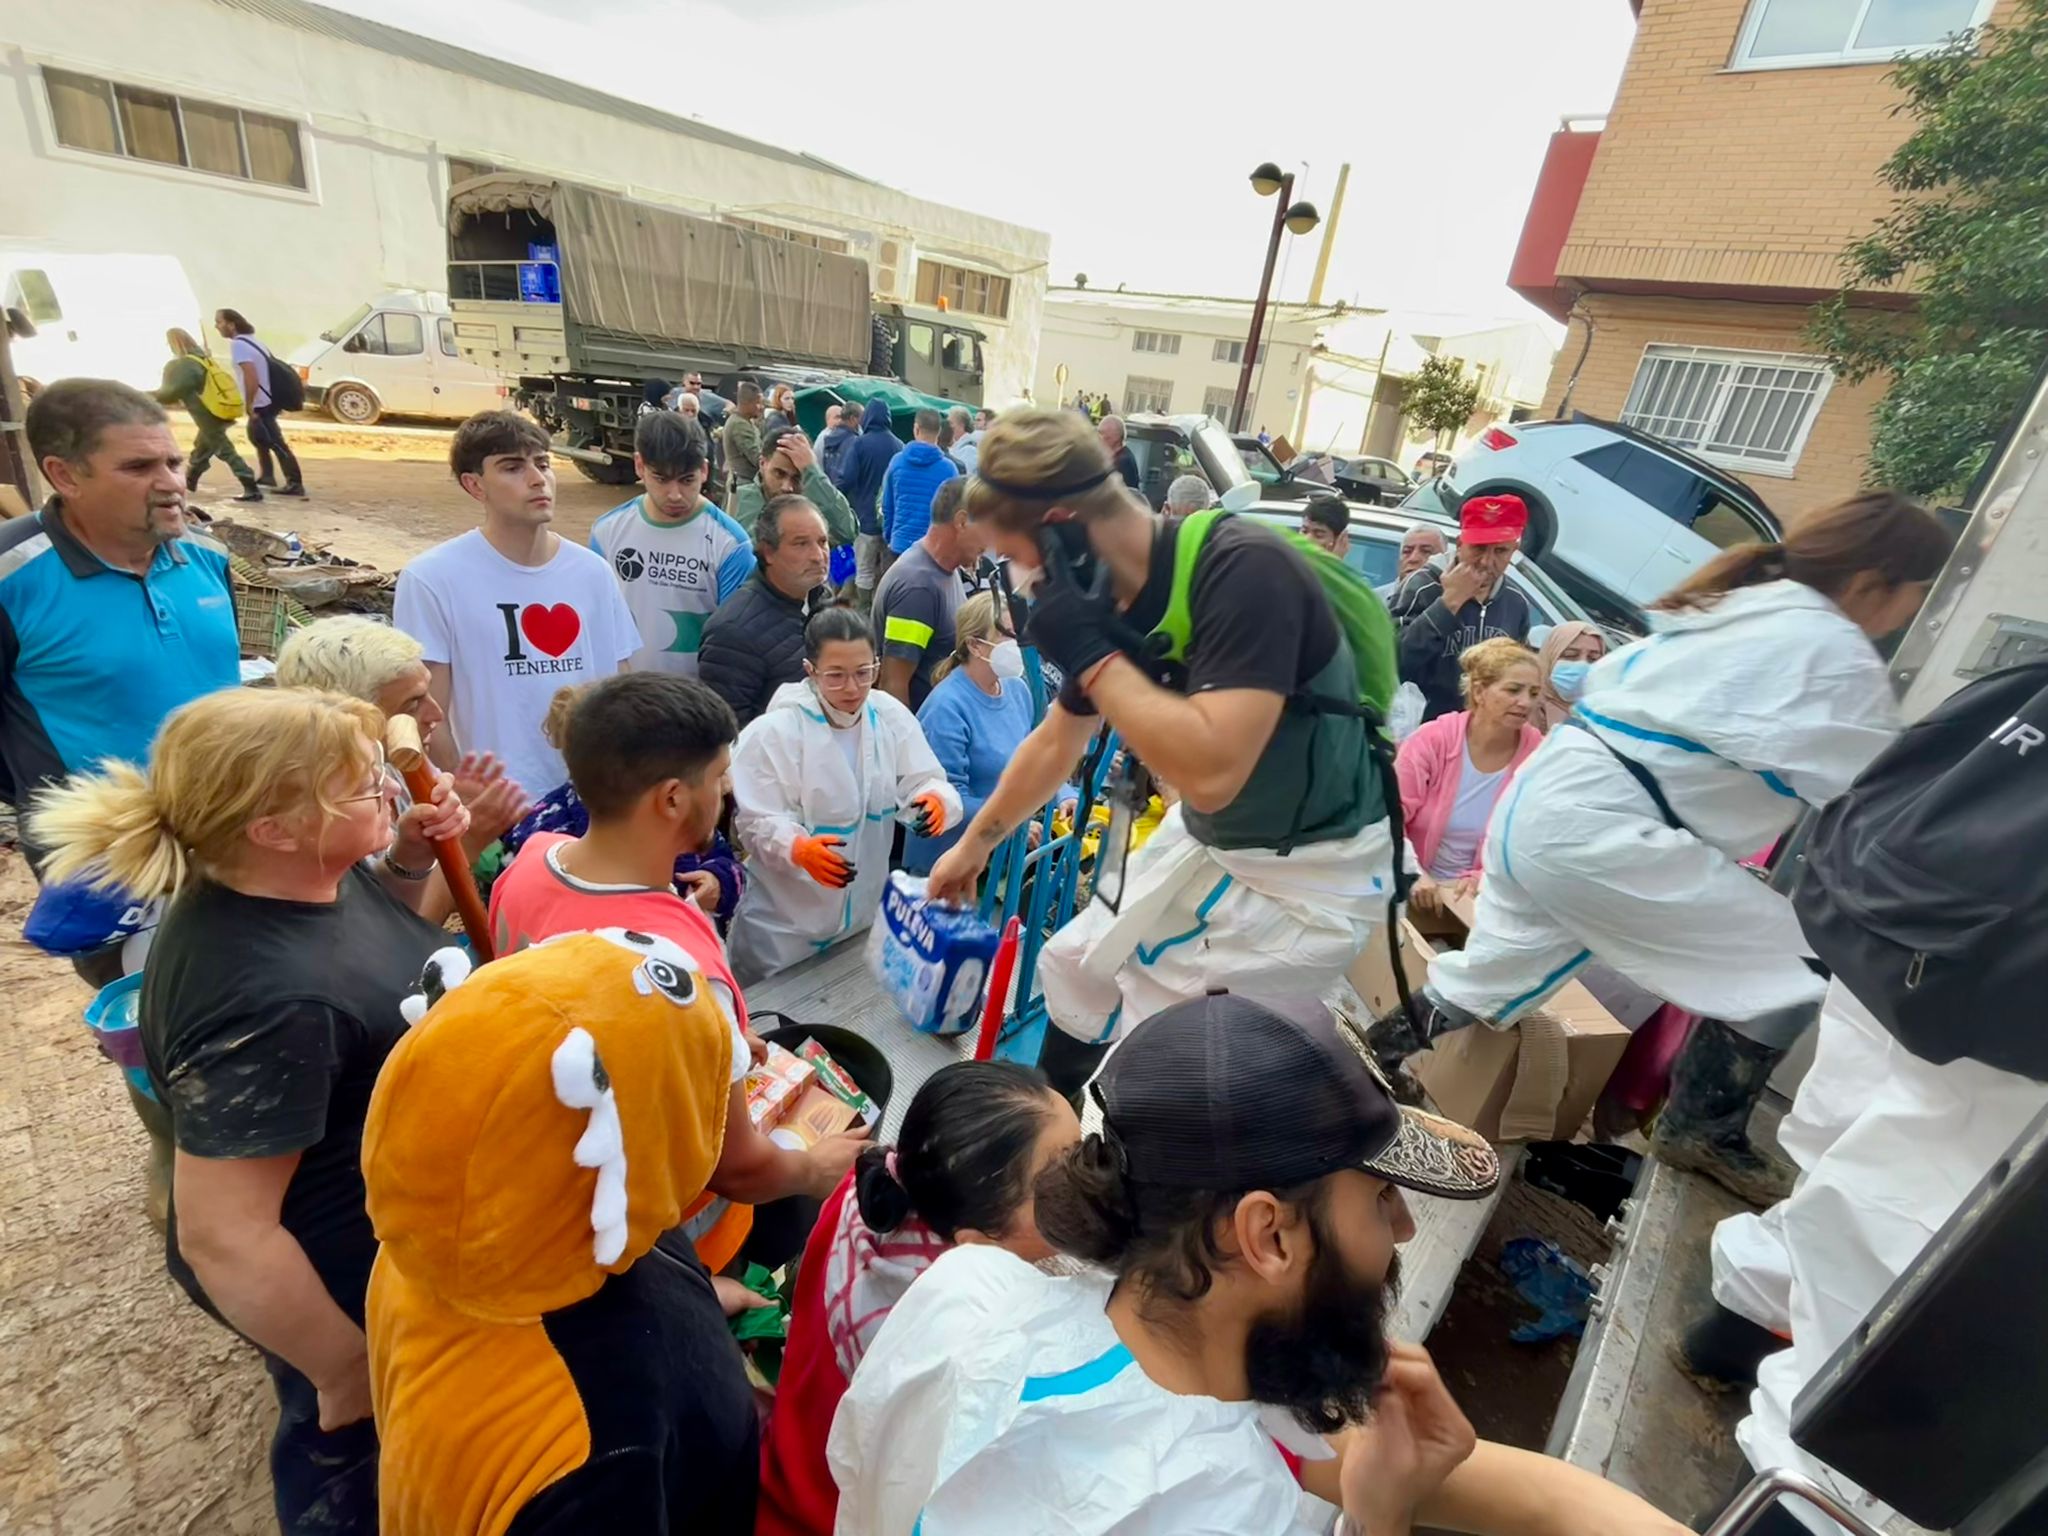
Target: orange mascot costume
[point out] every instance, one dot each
(538, 1363)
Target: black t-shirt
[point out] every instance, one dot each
(264, 1024)
(1257, 614)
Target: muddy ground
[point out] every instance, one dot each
(122, 1407)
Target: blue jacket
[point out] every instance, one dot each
(907, 493)
(863, 465)
(832, 450)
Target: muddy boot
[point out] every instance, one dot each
(1715, 1084)
(1721, 1352)
(251, 491)
(1399, 1034)
(191, 480)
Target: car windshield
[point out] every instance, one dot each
(356, 317)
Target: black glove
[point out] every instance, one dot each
(1073, 628)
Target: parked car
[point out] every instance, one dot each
(1376, 482)
(96, 316)
(1613, 512)
(1429, 464)
(395, 356)
(1375, 553)
(1167, 447)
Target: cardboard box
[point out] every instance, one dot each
(774, 1087)
(1470, 1074)
(816, 1115)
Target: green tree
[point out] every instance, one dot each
(1439, 397)
(1968, 231)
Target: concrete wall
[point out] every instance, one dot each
(1831, 464)
(1710, 175)
(378, 131)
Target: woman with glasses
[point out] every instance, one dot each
(817, 781)
(269, 1003)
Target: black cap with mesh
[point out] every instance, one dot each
(1225, 1093)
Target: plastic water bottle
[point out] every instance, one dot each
(291, 543)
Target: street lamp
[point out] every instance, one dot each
(1267, 180)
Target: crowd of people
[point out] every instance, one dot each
(487, 1261)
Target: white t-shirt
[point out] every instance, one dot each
(849, 747)
(997, 1400)
(1470, 812)
(674, 575)
(246, 349)
(513, 635)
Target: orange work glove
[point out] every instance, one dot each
(931, 814)
(820, 858)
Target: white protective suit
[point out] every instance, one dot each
(1745, 712)
(997, 1400)
(1888, 1146)
(790, 779)
(1195, 917)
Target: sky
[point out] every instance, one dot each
(1127, 132)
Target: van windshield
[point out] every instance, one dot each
(356, 317)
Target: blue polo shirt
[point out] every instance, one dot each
(93, 657)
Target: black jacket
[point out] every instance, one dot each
(1433, 637)
(754, 644)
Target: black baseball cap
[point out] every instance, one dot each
(1225, 1093)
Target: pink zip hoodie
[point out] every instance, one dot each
(1430, 764)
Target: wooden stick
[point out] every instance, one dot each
(406, 753)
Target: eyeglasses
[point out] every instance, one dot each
(861, 675)
(383, 789)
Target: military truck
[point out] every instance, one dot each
(578, 298)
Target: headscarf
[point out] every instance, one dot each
(1550, 709)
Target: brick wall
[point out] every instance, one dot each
(1831, 464)
(1711, 175)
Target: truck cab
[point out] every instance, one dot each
(931, 350)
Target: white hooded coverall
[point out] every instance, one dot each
(791, 779)
(1745, 712)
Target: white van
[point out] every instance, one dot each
(97, 316)
(395, 356)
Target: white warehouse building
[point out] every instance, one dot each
(297, 161)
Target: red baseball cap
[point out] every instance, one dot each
(1492, 519)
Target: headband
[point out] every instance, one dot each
(1043, 492)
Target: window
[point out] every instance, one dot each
(920, 340)
(793, 236)
(389, 333)
(1748, 409)
(29, 291)
(1782, 33)
(1165, 343)
(1217, 403)
(1147, 395)
(444, 331)
(1674, 490)
(106, 118)
(965, 292)
(1232, 352)
(961, 352)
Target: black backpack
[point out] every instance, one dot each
(287, 389)
(1926, 884)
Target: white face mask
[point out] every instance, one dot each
(838, 717)
(1006, 659)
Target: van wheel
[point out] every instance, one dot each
(615, 472)
(354, 404)
(1542, 534)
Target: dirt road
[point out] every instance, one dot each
(122, 1407)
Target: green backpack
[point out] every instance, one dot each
(1360, 614)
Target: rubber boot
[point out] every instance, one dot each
(1721, 1351)
(191, 480)
(251, 491)
(1704, 1127)
(1399, 1034)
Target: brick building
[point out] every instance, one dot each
(1685, 242)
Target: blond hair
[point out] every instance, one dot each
(1483, 665)
(348, 653)
(217, 764)
(1033, 461)
(554, 725)
(975, 620)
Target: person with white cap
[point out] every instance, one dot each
(1244, 1200)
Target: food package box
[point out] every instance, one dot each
(1470, 1073)
(773, 1086)
(816, 1115)
(931, 959)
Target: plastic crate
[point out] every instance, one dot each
(262, 619)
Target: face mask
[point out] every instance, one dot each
(838, 717)
(1007, 659)
(1568, 678)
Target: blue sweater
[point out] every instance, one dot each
(974, 737)
(907, 493)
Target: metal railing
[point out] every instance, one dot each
(505, 282)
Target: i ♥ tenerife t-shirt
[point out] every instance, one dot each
(512, 635)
